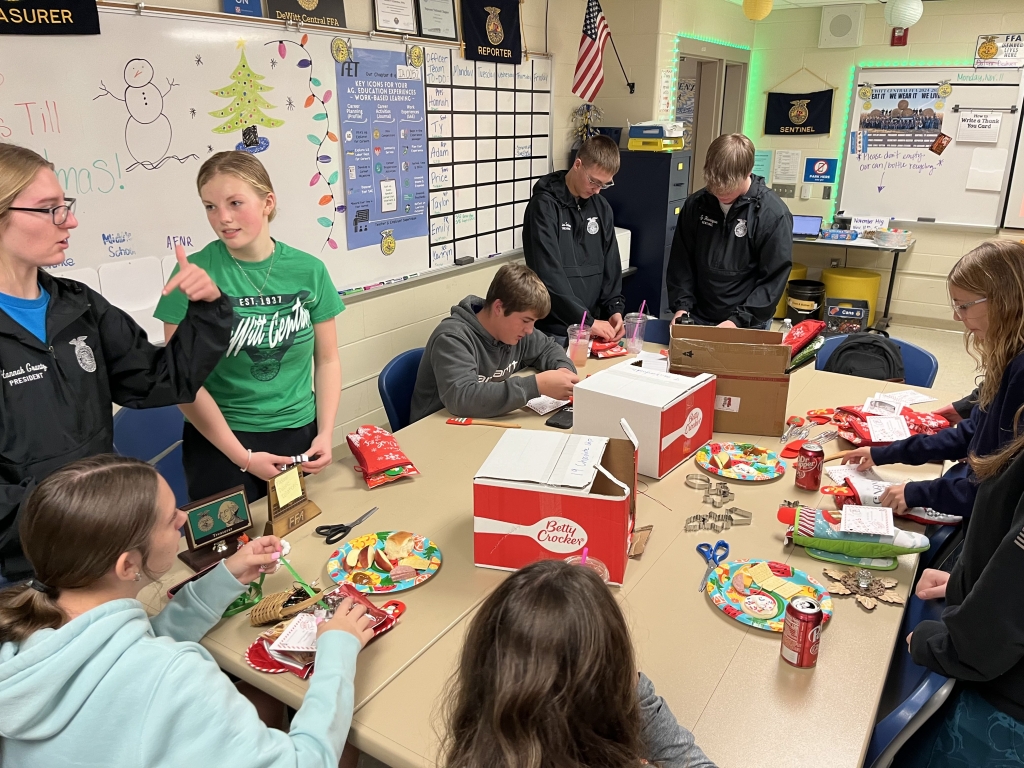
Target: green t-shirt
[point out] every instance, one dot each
(265, 381)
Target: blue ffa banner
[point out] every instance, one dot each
(797, 114)
(49, 17)
(820, 170)
(490, 30)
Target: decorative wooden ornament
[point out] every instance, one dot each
(755, 10)
(867, 589)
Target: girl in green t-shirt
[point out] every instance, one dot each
(258, 408)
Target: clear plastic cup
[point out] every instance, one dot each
(634, 324)
(579, 344)
(592, 563)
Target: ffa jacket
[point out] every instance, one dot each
(571, 244)
(731, 266)
(980, 639)
(56, 397)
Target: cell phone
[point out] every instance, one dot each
(562, 419)
(684, 320)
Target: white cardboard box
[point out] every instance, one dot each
(672, 415)
(624, 238)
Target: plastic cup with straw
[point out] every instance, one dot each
(635, 338)
(579, 342)
(586, 561)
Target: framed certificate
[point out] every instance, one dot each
(395, 16)
(437, 19)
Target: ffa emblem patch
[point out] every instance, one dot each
(387, 242)
(864, 92)
(867, 105)
(988, 49)
(376, 133)
(414, 56)
(798, 114)
(741, 228)
(83, 353)
(340, 50)
(945, 89)
(309, 5)
(495, 34)
(592, 226)
(205, 522)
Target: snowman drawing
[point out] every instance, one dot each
(147, 133)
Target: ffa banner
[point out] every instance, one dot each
(49, 17)
(789, 114)
(490, 30)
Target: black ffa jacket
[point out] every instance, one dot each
(571, 244)
(731, 267)
(56, 401)
(980, 639)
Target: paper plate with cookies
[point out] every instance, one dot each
(386, 561)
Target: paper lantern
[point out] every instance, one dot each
(903, 13)
(755, 10)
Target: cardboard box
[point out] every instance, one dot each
(536, 497)
(671, 414)
(752, 388)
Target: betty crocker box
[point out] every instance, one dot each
(547, 495)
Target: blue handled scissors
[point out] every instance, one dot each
(713, 556)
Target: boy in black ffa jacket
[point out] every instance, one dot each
(569, 240)
(733, 247)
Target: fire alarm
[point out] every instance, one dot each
(899, 36)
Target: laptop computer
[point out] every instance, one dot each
(806, 227)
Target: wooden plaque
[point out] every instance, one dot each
(297, 509)
(213, 526)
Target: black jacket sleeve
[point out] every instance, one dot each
(540, 246)
(679, 278)
(15, 564)
(146, 376)
(775, 249)
(612, 302)
(965, 405)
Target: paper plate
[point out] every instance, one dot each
(749, 462)
(375, 579)
(757, 608)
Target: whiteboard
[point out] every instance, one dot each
(127, 141)
(890, 168)
(1014, 215)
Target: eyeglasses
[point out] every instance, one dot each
(958, 309)
(598, 184)
(59, 213)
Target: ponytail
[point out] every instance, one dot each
(25, 608)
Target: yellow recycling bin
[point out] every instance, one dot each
(799, 272)
(851, 283)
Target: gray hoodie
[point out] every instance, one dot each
(469, 372)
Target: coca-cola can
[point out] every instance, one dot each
(809, 463)
(801, 632)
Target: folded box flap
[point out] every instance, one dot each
(720, 356)
(640, 385)
(546, 458)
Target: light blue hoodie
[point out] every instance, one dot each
(115, 689)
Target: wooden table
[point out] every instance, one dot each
(722, 680)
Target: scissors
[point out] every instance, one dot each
(336, 533)
(713, 556)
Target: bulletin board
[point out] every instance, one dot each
(931, 144)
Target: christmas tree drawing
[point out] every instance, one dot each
(245, 112)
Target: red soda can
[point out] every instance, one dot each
(801, 632)
(809, 462)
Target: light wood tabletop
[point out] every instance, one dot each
(722, 680)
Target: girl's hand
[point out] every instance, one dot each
(932, 584)
(267, 465)
(321, 448)
(861, 457)
(245, 564)
(191, 280)
(893, 497)
(349, 617)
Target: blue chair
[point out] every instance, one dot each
(153, 435)
(396, 383)
(919, 365)
(657, 331)
(919, 691)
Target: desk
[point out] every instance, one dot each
(863, 244)
(714, 673)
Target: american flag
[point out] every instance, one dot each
(589, 75)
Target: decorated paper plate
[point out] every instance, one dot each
(740, 461)
(386, 561)
(737, 593)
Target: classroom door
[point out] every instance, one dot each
(718, 93)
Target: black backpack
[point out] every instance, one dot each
(869, 356)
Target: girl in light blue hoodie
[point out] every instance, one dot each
(88, 679)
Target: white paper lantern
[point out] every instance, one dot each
(755, 10)
(903, 13)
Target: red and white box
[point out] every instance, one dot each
(672, 414)
(545, 495)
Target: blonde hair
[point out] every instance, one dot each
(241, 165)
(995, 270)
(18, 169)
(520, 290)
(600, 151)
(730, 160)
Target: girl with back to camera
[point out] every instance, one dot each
(258, 407)
(986, 290)
(548, 679)
(87, 678)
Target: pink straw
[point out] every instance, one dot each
(642, 305)
(583, 560)
(636, 330)
(583, 322)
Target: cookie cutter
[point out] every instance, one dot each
(740, 516)
(699, 482)
(713, 521)
(718, 496)
(827, 436)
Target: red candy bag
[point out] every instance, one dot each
(802, 334)
(380, 459)
(852, 424)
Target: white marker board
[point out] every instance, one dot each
(889, 166)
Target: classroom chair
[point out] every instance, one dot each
(919, 365)
(153, 435)
(918, 691)
(657, 331)
(396, 383)
(86, 275)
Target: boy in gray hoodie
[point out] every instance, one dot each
(470, 357)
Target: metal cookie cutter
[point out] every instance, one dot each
(699, 482)
(739, 516)
(719, 496)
